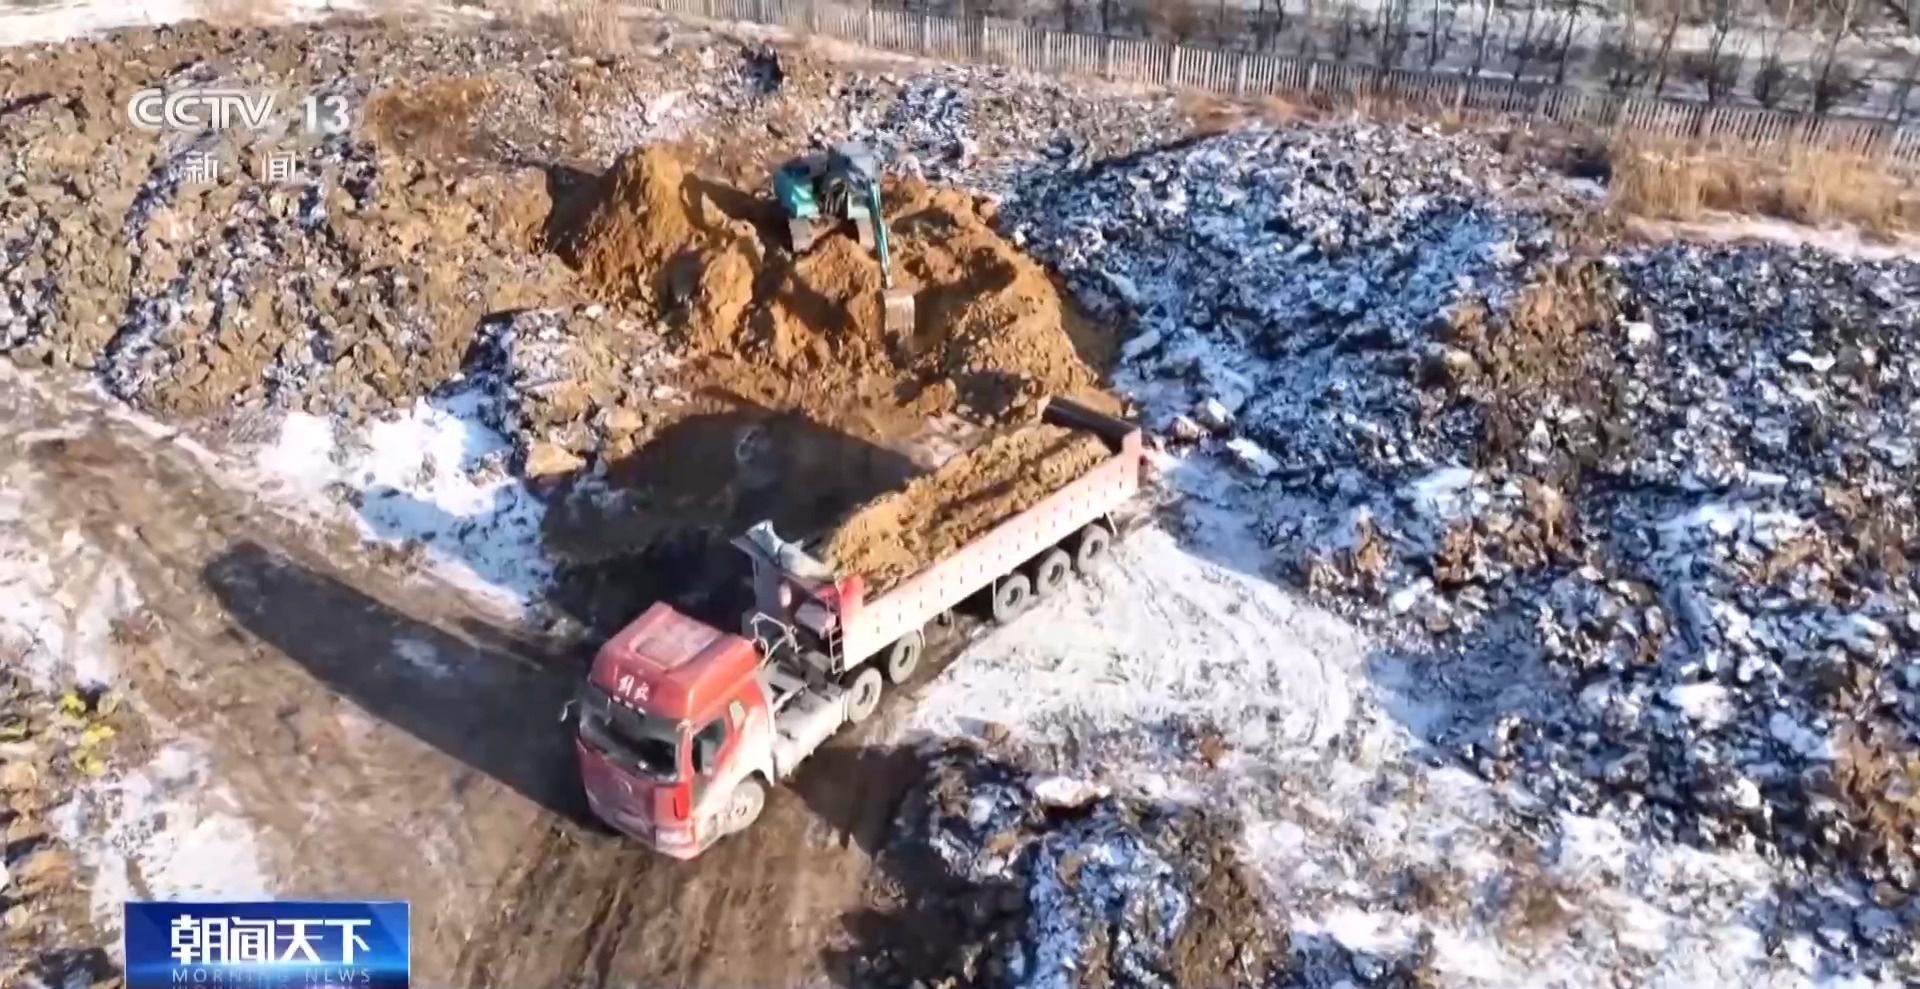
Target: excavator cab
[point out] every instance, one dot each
(821, 191)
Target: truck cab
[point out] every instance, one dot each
(675, 732)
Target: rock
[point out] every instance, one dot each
(1630, 769)
(18, 776)
(1253, 457)
(546, 460)
(1213, 415)
(1185, 430)
(1139, 345)
(1061, 791)
(43, 866)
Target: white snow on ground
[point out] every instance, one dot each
(434, 473)
(1161, 638)
(1371, 844)
(27, 24)
(1728, 228)
(164, 837)
(59, 612)
(160, 830)
(57, 609)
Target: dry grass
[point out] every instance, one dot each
(1679, 181)
(592, 27)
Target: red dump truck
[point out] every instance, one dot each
(682, 727)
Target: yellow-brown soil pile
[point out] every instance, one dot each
(993, 332)
(894, 535)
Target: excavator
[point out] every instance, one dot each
(822, 192)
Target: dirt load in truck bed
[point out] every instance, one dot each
(895, 535)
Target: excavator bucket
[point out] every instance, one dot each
(900, 310)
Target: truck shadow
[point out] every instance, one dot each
(854, 789)
(915, 915)
(483, 696)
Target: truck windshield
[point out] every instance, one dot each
(647, 743)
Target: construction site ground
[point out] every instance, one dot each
(1515, 601)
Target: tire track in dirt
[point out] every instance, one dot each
(261, 626)
(278, 662)
(767, 907)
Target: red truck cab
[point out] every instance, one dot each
(674, 732)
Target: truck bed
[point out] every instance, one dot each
(914, 601)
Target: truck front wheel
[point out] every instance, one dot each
(1012, 596)
(744, 806)
(863, 694)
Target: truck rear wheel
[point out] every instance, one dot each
(1051, 572)
(863, 694)
(744, 806)
(903, 658)
(1090, 548)
(1012, 596)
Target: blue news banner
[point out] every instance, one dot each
(278, 945)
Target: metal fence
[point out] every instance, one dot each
(1015, 44)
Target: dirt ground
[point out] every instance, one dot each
(277, 645)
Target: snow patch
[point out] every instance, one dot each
(1159, 643)
(435, 474)
(157, 833)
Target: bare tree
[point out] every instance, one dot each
(1440, 33)
(1771, 82)
(1906, 83)
(1720, 68)
(1525, 47)
(1666, 51)
(1343, 35)
(1622, 62)
(1570, 22)
(1480, 39)
(1836, 82)
(1393, 31)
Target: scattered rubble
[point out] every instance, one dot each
(984, 127)
(1006, 878)
(1681, 477)
(50, 744)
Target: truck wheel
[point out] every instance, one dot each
(1090, 548)
(1051, 572)
(744, 806)
(1012, 596)
(863, 694)
(903, 659)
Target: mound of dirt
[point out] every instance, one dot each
(992, 336)
(896, 534)
(997, 877)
